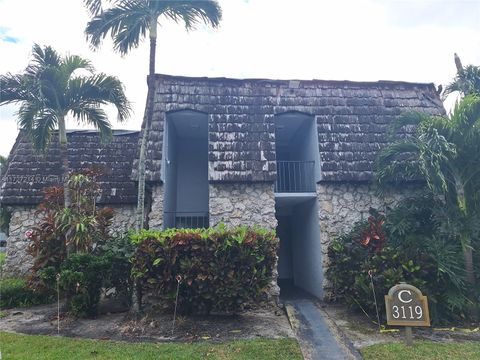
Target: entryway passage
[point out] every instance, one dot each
(300, 254)
(318, 336)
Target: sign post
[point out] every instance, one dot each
(406, 306)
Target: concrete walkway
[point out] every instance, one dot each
(318, 336)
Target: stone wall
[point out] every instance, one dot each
(19, 262)
(124, 218)
(341, 205)
(155, 216)
(233, 204)
(242, 204)
(237, 204)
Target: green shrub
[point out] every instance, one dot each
(222, 270)
(417, 250)
(119, 250)
(14, 292)
(3, 257)
(351, 262)
(82, 277)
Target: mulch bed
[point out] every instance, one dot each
(267, 322)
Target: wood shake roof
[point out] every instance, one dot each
(352, 120)
(28, 173)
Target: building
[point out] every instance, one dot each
(294, 155)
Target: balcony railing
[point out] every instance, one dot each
(295, 176)
(186, 220)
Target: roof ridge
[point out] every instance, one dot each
(319, 81)
(115, 132)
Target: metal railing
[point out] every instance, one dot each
(295, 176)
(186, 220)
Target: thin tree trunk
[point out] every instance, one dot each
(465, 238)
(140, 214)
(62, 136)
(469, 269)
(468, 258)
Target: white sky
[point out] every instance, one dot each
(409, 40)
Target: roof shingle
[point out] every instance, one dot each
(352, 120)
(28, 173)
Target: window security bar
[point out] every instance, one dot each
(186, 220)
(295, 176)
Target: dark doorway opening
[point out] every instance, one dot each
(186, 170)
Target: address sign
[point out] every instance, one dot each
(406, 306)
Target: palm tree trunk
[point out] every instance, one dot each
(468, 258)
(140, 215)
(62, 136)
(466, 245)
(153, 47)
(470, 273)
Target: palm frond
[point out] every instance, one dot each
(467, 81)
(119, 19)
(96, 7)
(409, 118)
(190, 12)
(13, 88)
(96, 117)
(27, 114)
(42, 58)
(96, 90)
(435, 155)
(466, 116)
(128, 21)
(403, 149)
(72, 63)
(39, 124)
(133, 27)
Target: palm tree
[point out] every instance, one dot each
(128, 22)
(467, 80)
(445, 152)
(49, 90)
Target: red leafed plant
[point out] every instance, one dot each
(79, 228)
(374, 236)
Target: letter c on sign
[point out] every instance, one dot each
(400, 296)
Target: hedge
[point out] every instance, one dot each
(220, 269)
(14, 292)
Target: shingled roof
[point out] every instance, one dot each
(28, 173)
(352, 120)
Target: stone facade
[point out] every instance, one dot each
(155, 216)
(250, 204)
(340, 206)
(124, 218)
(19, 262)
(237, 204)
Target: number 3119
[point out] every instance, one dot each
(403, 311)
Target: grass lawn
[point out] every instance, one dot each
(33, 347)
(423, 350)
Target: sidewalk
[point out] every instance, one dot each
(318, 336)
